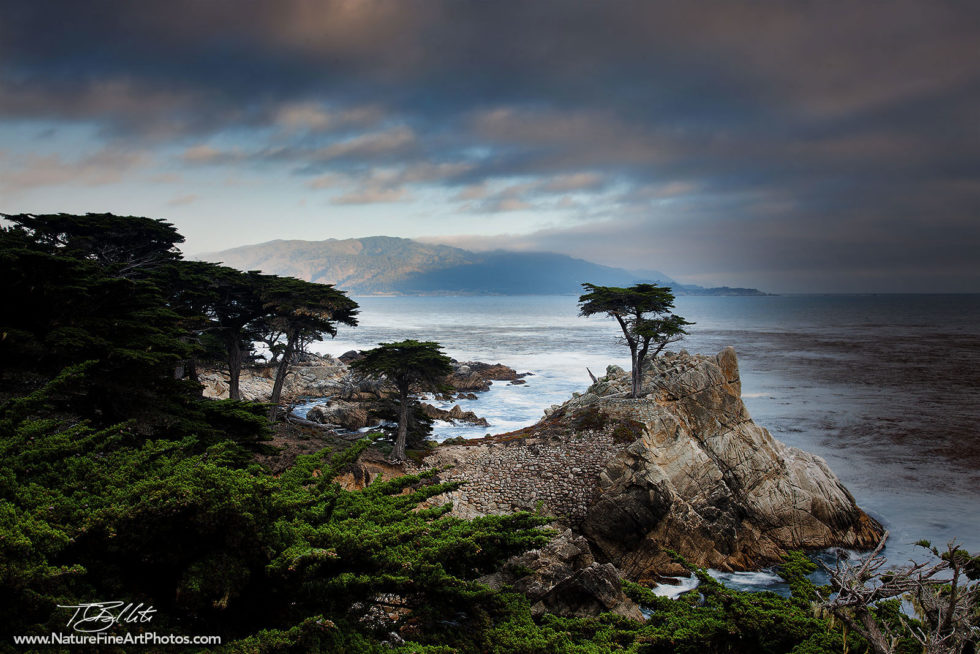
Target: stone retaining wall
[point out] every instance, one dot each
(557, 474)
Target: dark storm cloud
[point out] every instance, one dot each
(812, 141)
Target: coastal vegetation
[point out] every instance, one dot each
(410, 366)
(120, 482)
(643, 312)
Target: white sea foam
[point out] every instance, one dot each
(673, 591)
(757, 580)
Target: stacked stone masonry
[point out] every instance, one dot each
(557, 474)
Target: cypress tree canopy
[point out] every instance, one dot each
(643, 312)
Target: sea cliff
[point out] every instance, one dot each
(681, 468)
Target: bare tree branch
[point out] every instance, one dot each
(946, 606)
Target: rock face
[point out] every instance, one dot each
(318, 376)
(471, 376)
(564, 578)
(703, 479)
(682, 468)
(350, 355)
(347, 415)
(456, 414)
(370, 465)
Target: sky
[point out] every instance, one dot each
(788, 146)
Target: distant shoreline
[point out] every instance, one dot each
(679, 293)
(390, 266)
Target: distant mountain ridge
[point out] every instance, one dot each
(386, 265)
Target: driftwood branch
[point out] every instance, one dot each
(943, 602)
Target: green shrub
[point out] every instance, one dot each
(589, 418)
(627, 431)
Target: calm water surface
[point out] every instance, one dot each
(883, 387)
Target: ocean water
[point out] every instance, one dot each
(885, 387)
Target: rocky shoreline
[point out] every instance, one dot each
(683, 468)
(351, 403)
(314, 377)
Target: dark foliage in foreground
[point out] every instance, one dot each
(217, 546)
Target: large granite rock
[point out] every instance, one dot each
(701, 478)
(564, 578)
(456, 414)
(317, 376)
(471, 376)
(346, 415)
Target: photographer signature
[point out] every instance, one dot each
(98, 616)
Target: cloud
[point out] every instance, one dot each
(329, 181)
(166, 178)
(317, 117)
(378, 145)
(541, 193)
(183, 200)
(205, 154)
(563, 139)
(501, 204)
(372, 195)
(572, 182)
(473, 192)
(383, 185)
(120, 105)
(371, 145)
(743, 123)
(107, 166)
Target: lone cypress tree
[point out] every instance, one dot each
(643, 312)
(411, 366)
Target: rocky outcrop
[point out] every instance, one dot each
(456, 414)
(323, 376)
(703, 479)
(318, 376)
(369, 466)
(563, 578)
(350, 356)
(350, 416)
(682, 468)
(469, 376)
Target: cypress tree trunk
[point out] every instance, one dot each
(639, 356)
(234, 367)
(636, 374)
(399, 452)
(180, 370)
(282, 369)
